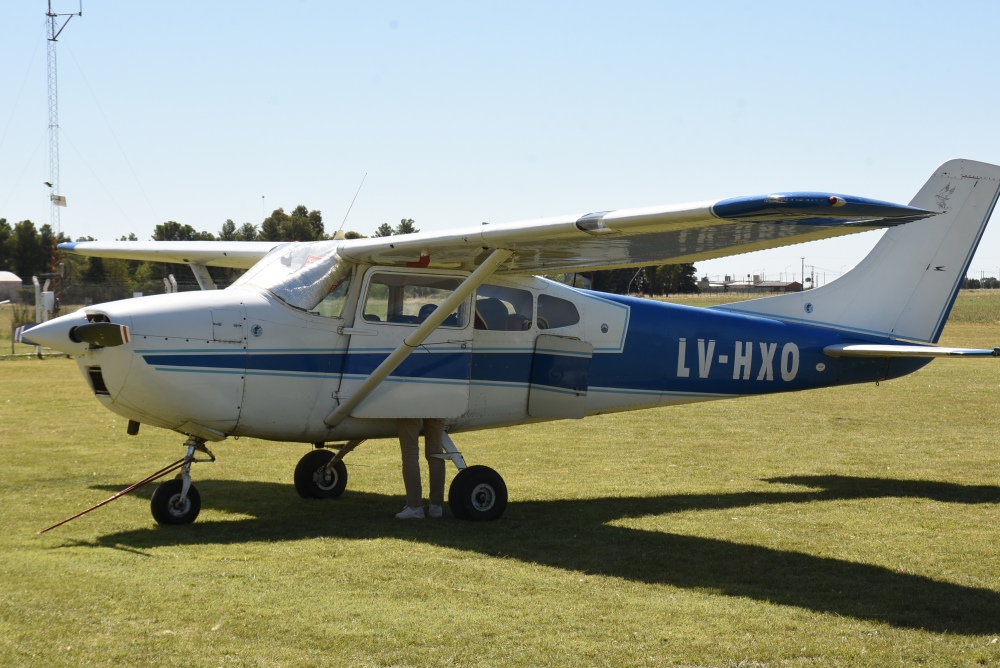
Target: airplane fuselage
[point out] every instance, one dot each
(239, 362)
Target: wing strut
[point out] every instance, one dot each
(412, 342)
(201, 275)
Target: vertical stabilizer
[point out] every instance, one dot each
(906, 286)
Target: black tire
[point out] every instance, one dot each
(477, 493)
(165, 507)
(311, 480)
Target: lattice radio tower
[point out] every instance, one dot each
(57, 23)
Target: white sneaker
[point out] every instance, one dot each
(434, 511)
(411, 513)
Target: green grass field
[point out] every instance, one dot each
(854, 526)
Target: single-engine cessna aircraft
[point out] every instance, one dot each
(329, 342)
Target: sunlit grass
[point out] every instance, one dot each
(848, 526)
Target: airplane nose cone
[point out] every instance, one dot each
(55, 333)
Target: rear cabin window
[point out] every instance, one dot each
(408, 299)
(500, 308)
(554, 312)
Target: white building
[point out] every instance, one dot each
(9, 285)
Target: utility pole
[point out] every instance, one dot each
(57, 23)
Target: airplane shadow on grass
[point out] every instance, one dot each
(577, 535)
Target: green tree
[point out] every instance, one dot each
(247, 233)
(301, 225)
(406, 227)
(174, 231)
(24, 245)
(384, 230)
(660, 280)
(5, 254)
(228, 231)
(76, 265)
(272, 227)
(94, 273)
(675, 279)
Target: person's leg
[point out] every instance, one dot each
(433, 445)
(409, 447)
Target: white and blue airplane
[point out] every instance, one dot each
(329, 342)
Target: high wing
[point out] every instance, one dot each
(636, 237)
(233, 254)
(602, 240)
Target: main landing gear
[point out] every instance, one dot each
(477, 493)
(177, 501)
(321, 474)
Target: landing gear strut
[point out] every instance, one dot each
(177, 501)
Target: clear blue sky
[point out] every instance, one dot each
(468, 112)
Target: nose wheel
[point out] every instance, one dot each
(170, 506)
(177, 501)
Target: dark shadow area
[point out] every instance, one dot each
(575, 535)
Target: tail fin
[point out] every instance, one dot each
(906, 286)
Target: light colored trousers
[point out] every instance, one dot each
(409, 446)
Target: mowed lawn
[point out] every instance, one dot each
(853, 526)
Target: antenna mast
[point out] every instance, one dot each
(56, 26)
(55, 199)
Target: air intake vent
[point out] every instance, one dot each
(97, 381)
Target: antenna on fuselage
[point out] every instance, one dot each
(340, 232)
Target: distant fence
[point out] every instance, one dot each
(96, 293)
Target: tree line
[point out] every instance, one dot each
(29, 251)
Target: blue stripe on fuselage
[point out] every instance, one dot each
(668, 348)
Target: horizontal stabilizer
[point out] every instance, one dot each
(880, 350)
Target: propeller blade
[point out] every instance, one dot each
(100, 334)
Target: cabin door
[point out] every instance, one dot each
(560, 375)
(434, 380)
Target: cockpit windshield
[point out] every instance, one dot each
(299, 274)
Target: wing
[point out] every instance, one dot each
(234, 254)
(602, 240)
(635, 237)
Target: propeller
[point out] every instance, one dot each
(100, 334)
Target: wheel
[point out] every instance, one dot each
(312, 480)
(166, 506)
(477, 493)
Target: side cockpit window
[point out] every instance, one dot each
(500, 308)
(554, 312)
(407, 299)
(332, 305)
